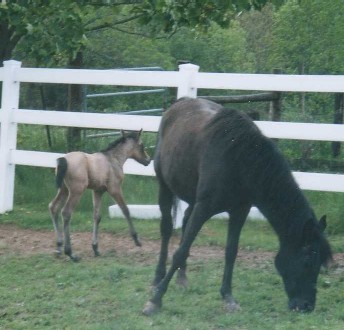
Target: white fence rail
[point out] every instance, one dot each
(187, 80)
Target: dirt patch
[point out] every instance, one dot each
(27, 242)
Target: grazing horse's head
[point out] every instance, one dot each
(299, 265)
(137, 149)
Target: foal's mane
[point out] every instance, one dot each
(122, 139)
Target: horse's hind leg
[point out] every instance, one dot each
(181, 273)
(96, 220)
(118, 196)
(67, 211)
(236, 222)
(166, 228)
(54, 207)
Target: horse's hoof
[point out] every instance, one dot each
(96, 254)
(150, 309)
(182, 282)
(232, 307)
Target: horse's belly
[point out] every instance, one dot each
(180, 172)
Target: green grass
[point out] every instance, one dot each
(107, 293)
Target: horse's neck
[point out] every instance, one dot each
(287, 217)
(286, 208)
(119, 154)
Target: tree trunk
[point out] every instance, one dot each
(75, 104)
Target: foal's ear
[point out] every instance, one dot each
(322, 223)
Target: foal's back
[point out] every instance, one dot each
(87, 170)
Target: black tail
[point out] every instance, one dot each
(61, 170)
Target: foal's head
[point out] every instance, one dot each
(299, 265)
(135, 147)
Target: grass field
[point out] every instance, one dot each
(39, 291)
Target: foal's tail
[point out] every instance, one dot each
(61, 170)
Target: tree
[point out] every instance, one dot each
(55, 31)
(258, 26)
(306, 39)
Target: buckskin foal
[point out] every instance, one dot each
(101, 172)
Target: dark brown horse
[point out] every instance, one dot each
(217, 160)
(101, 172)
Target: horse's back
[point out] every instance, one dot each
(205, 150)
(180, 144)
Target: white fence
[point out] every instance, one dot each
(187, 80)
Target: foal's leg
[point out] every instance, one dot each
(118, 196)
(181, 273)
(73, 199)
(199, 215)
(166, 228)
(236, 222)
(97, 196)
(54, 207)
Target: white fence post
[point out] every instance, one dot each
(185, 88)
(8, 134)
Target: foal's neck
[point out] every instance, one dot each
(120, 154)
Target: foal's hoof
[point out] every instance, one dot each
(75, 258)
(95, 250)
(150, 309)
(136, 240)
(57, 254)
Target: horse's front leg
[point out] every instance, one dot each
(236, 222)
(54, 207)
(67, 211)
(199, 215)
(97, 196)
(118, 196)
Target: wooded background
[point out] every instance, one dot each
(296, 37)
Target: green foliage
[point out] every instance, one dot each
(168, 16)
(218, 50)
(313, 48)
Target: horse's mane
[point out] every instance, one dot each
(261, 167)
(122, 139)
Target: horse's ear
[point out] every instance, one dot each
(140, 132)
(322, 223)
(123, 133)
